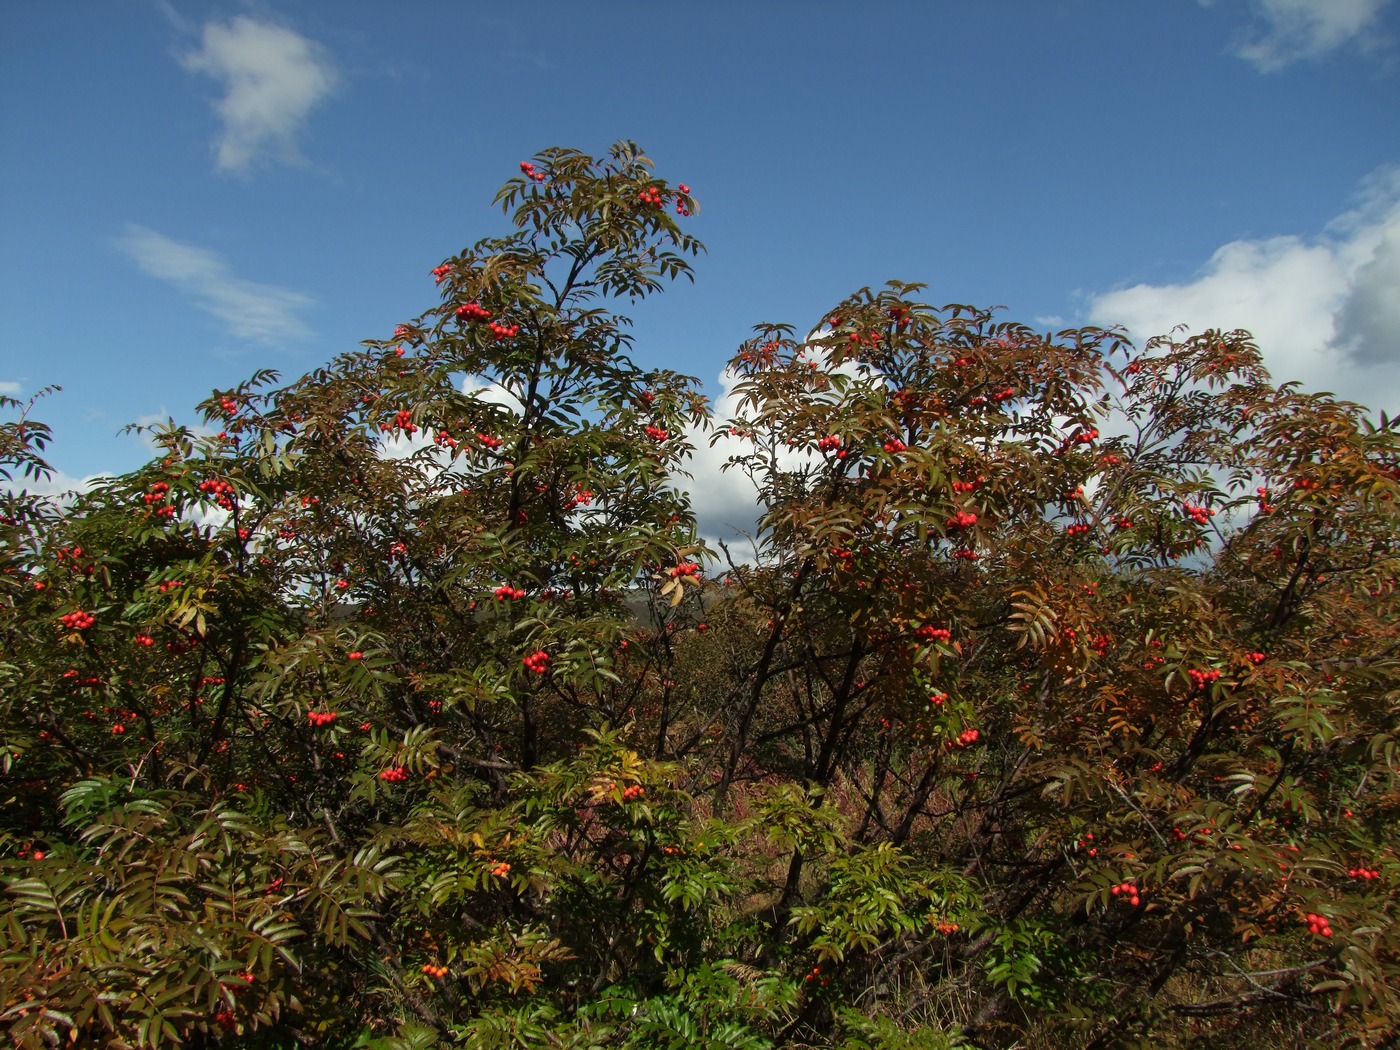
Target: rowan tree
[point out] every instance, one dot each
(402, 703)
(1113, 633)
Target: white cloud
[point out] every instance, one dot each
(1309, 29)
(259, 313)
(725, 501)
(492, 394)
(9, 388)
(58, 485)
(272, 77)
(1325, 310)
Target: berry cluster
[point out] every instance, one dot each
(1201, 679)
(473, 312)
(967, 554)
(937, 699)
(1363, 872)
(504, 331)
(1317, 924)
(530, 172)
(1086, 844)
(500, 870)
(357, 655)
(1200, 515)
(1077, 529)
(962, 519)
(966, 738)
(934, 634)
(657, 434)
(222, 492)
(505, 592)
(968, 486)
(946, 928)
(537, 662)
(445, 439)
(322, 718)
(157, 494)
(815, 976)
(633, 793)
(145, 640)
(1256, 658)
(490, 441)
(653, 196)
(77, 621)
(580, 498)
(894, 445)
(874, 340)
(688, 568)
(394, 774)
(1128, 891)
(434, 971)
(1265, 507)
(1084, 437)
(439, 272)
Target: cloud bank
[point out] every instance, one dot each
(260, 313)
(272, 78)
(1325, 310)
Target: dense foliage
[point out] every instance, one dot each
(402, 705)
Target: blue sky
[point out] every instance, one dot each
(191, 190)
